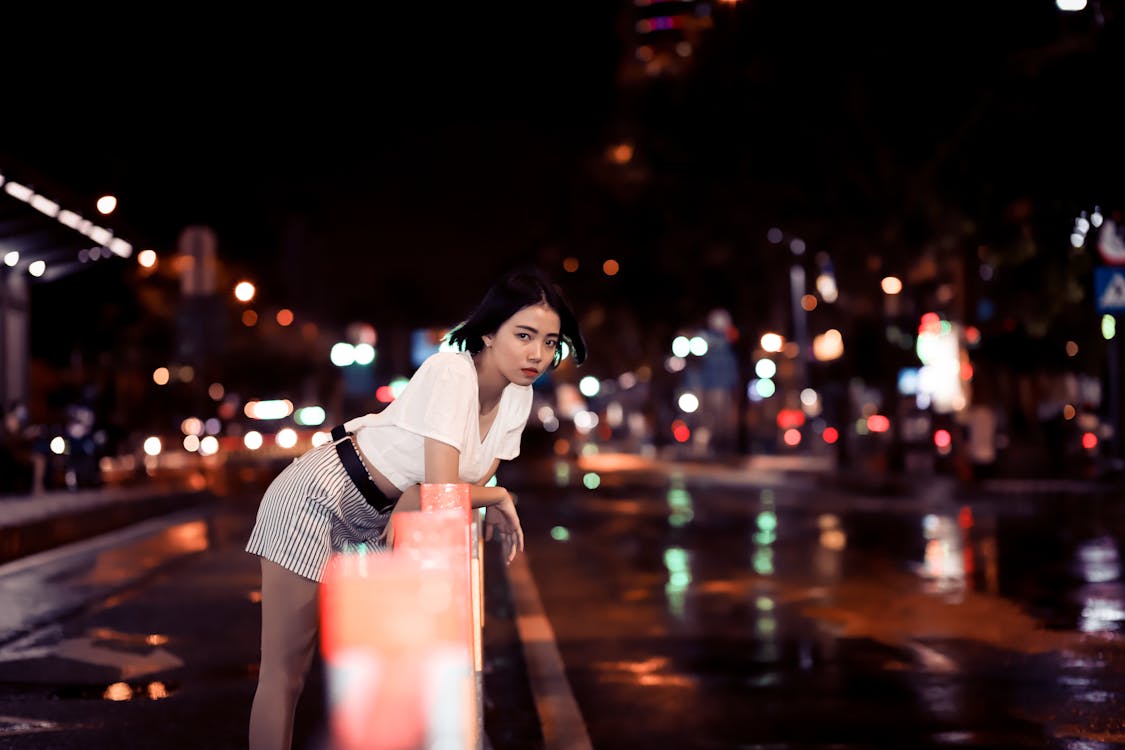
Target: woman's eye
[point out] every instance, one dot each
(552, 344)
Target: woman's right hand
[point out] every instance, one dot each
(410, 499)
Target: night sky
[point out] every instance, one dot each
(386, 165)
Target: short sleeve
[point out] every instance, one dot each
(440, 400)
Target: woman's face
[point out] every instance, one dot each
(524, 345)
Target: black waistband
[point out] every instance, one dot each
(348, 452)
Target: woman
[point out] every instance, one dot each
(460, 415)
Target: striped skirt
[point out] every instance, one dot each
(312, 509)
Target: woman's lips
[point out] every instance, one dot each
(530, 372)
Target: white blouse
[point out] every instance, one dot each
(442, 401)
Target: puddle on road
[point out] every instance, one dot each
(116, 691)
(12, 726)
(117, 563)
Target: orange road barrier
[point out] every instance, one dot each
(393, 641)
(456, 496)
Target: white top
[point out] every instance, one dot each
(442, 402)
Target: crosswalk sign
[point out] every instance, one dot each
(1109, 289)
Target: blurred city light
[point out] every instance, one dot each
(244, 291)
(826, 287)
(765, 368)
(1109, 327)
(209, 446)
(147, 258)
(309, 416)
(268, 409)
(286, 437)
(698, 346)
(940, 383)
(161, 376)
(891, 285)
(191, 443)
(342, 354)
(681, 346)
(364, 354)
(1070, 5)
(106, 204)
(621, 153)
(584, 421)
(878, 423)
(828, 346)
(100, 235)
(589, 386)
(688, 402)
(252, 440)
(58, 445)
(11, 258)
(771, 342)
(789, 418)
(764, 387)
(37, 268)
(152, 446)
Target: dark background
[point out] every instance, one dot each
(384, 164)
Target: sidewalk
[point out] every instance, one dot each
(32, 523)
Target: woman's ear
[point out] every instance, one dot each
(487, 339)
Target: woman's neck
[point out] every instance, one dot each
(490, 383)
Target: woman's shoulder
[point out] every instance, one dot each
(445, 365)
(448, 360)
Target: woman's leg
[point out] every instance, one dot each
(289, 628)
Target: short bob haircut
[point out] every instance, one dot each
(523, 287)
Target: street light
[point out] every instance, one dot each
(800, 319)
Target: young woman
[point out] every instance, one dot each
(460, 415)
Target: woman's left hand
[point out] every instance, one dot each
(502, 519)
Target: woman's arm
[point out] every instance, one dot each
(500, 515)
(442, 467)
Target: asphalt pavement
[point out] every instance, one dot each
(527, 700)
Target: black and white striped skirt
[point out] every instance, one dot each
(312, 509)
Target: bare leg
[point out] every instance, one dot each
(289, 628)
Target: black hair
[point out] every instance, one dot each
(523, 287)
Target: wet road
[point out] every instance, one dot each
(690, 612)
(693, 613)
(142, 638)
